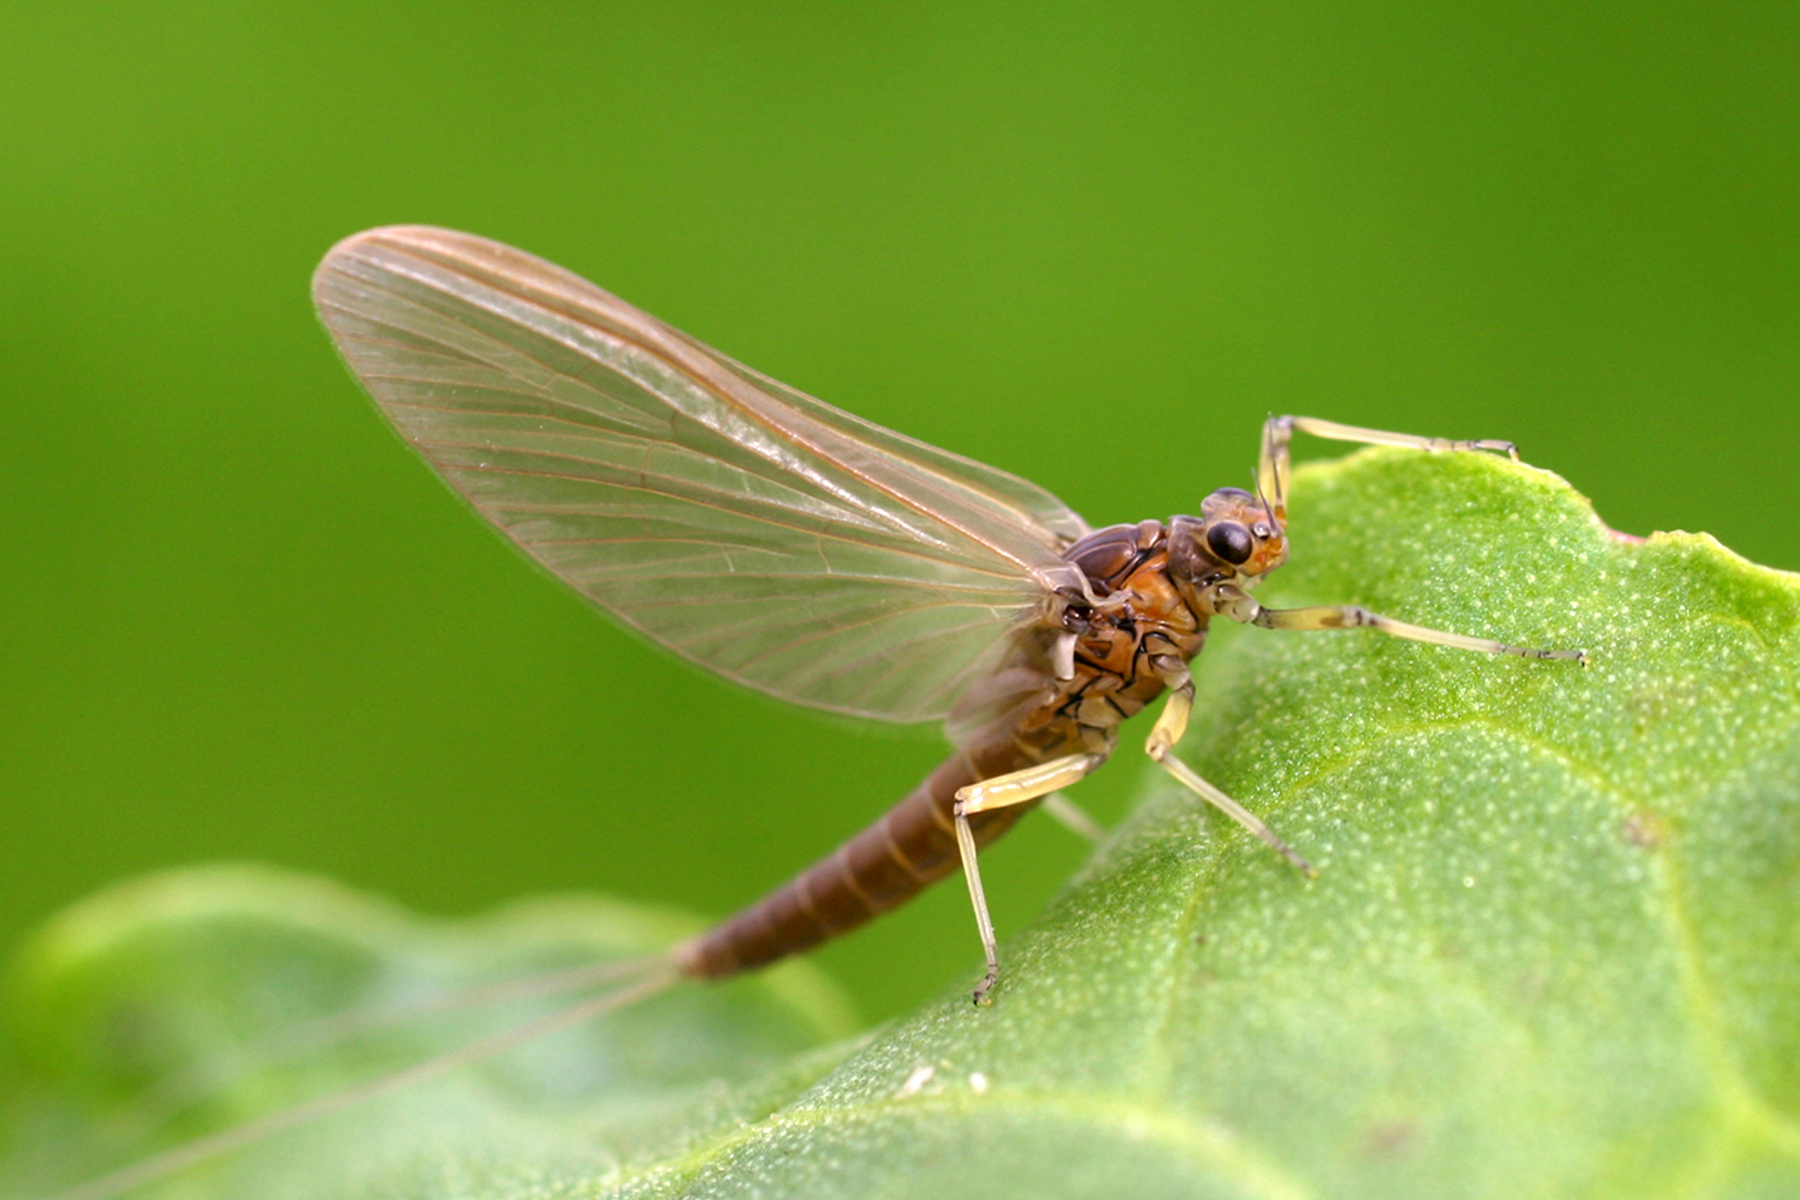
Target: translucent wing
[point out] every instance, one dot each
(759, 532)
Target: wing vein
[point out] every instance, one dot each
(773, 539)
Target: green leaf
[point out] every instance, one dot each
(200, 1000)
(1551, 951)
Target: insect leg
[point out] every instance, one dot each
(1169, 727)
(1073, 817)
(1272, 470)
(1014, 787)
(1240, 607)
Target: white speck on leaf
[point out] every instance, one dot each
(919, 1078)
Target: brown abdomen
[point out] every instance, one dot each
(885, 865)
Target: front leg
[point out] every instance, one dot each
(1232, 602)
(1273, 469)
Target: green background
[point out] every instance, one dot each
(1094, 245)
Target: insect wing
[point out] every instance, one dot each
(761, 533)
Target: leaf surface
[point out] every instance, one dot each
(1551, 951)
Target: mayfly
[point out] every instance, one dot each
(819, 558)
(816, 557)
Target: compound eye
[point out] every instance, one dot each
(1230, 541)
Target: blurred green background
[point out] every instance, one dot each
(1094, 244)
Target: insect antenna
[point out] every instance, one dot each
(1267, 509)
(658, 973)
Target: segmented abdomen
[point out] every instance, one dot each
(914, 845)
(885, 865)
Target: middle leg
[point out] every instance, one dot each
(1171, 723)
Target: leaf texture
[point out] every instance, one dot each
(1551, 951)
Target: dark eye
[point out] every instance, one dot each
(1230, 541)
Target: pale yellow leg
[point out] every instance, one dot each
(1169, 727)
(1272, 472)
(1003, 791)
(1240, 607)
(1272, 479)
(1026, 784)
(1074, 818)
(1172, 722)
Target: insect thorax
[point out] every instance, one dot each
(1142, 614)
